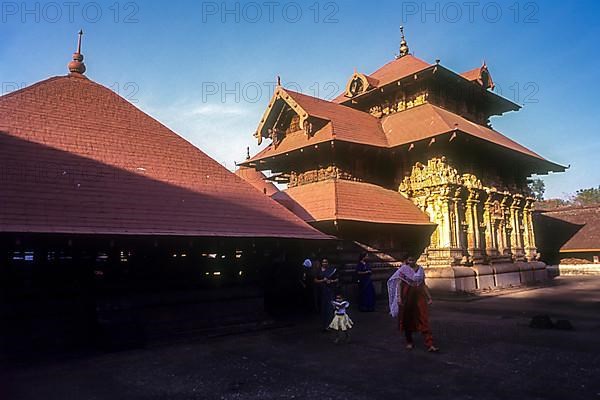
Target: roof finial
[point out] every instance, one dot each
(278, 80)
(77, 66)
(403, 45)
(248, 153)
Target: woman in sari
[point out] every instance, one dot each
(365, 284)
(409, 297)
(326, 280)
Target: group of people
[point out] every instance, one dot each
(408, 294)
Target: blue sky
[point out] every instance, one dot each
(207, 69)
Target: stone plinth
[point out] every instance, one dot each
(484, 277)
(451, 279)
(526, 272)
(507, 275)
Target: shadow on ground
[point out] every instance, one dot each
(488, 352)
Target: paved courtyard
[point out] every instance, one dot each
(488, 352)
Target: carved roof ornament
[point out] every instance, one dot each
(485, 79)
(358, 84)
(76, 66)
(267, 127)
(404, 50)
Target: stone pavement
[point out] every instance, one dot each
(488, 352)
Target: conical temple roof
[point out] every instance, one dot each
(77, 158)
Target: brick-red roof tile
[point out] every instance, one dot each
(412, 125)
(588, 218)
(427, 121)
(398, 69)
(345, 124)
(391, 72)
(257, 179)
(337, 199)
(77, 158)
(473, 74)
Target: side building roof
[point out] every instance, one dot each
(77, 158)
(338, 199)
(581, 223)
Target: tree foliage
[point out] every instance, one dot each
(538, 188)
(587, 197)
(581, 198)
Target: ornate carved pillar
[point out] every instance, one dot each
(516, 237)
(528, 234)
(440, 185)
(489, 217)
(505, 225)
(457, 228)
(474, 240)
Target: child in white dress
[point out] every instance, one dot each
(341, 321)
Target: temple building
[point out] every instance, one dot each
(112, 223)
(569, 238)
(406, 161)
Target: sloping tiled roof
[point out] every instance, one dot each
(418, 123)
(344, 123)
(348, 124)
(391, 72)
(472, 75)
(427, 121)
(77, 158)
(257, 179)
(398, 69)
(337, 199)
(585, 238)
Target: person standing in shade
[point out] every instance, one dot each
(409, 299)
(365, 284)
(306, 284)
(326, 280)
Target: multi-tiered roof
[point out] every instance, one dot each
(403, 108)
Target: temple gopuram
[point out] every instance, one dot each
(406, 161)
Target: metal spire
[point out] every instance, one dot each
(403, 45)
(77, 66)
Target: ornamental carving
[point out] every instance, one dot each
(318, 175)
(357, 85)
(398, 104)
(436, 173)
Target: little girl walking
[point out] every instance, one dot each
(341, 321)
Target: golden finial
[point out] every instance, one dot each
(403, 45)
(76, 65)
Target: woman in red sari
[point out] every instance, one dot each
(413, 299)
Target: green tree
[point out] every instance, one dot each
(587, 197)
(538, 188)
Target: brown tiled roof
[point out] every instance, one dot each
(398, 69)
(257, 179)
(337, 199)
(348, 124)
(427, 121)
(344, 123)
(77, 158)
(418, 123)
(588, 218)
(391, 72)
(472, 75)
